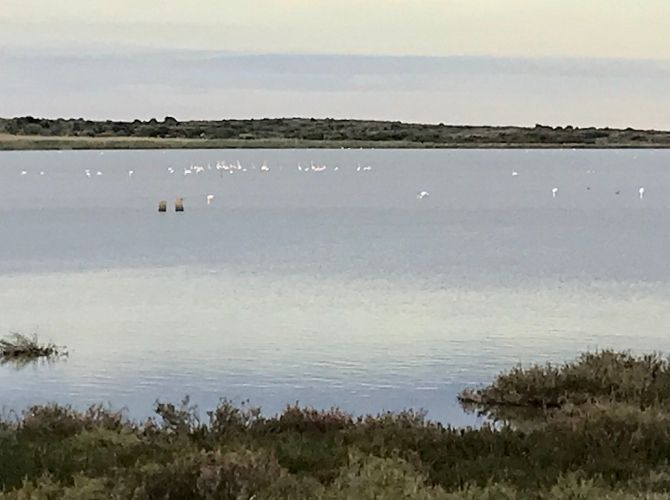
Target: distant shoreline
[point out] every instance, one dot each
(28, 133)
(23, 143)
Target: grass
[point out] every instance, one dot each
(20, 349)
(10, 142)
(602, 430)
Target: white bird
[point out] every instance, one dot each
(170, 170)
(130, 173)
(641, 191)
(188, 171)
(422, 195)
(358, 169)
(42, 172)
(554, 192)
(87, 172)
(367, 168)
(98, 173)
(23, 172)
(515, 173)
(265, 168)
(336, 169)
(210, 199)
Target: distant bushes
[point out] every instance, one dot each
(601, 430)
(302, 129)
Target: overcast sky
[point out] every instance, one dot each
(577, 28)
(600, 62)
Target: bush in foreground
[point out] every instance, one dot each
(607, 435)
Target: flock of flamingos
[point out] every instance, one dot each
(237, 167)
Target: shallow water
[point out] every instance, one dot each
(335, 288)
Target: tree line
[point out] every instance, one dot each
(311, 129)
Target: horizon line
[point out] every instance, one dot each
(116, 50)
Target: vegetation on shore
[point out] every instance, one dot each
(602, 430)
(21, 350)
(36, 133)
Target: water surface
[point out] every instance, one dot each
(334, 288)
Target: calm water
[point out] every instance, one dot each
(334, 288)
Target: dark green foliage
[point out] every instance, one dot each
(607, 375)
(289, 132)
(602, 431)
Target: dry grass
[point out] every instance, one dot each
(21, 349)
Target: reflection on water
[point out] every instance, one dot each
(334, 288)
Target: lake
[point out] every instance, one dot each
(340, 287)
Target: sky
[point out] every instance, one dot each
(537, 28)
(600, 62)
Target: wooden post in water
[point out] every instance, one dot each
(179, 205)
(162, 206)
